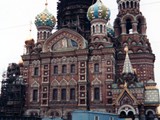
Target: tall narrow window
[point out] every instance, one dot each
(96, 93)
(128, 26)
(36, 71)
(96, 67)
(64, 69)
(72, 94)
(101, 28)
(73, 68)
(55, 94)
(55, 69)
(63, 94)
(45, 34)
(35, 95)
(93, 29)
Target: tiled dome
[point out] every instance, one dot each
(45, 19)
(98, 10)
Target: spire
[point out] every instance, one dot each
(46, 4)
(30, 31)
(127, 67)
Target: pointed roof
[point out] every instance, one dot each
(127, 67)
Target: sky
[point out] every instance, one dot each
(16, 16)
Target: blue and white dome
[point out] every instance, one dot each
(98, 10)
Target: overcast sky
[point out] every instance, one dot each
(16, 15)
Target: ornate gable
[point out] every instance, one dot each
(126, 97)
(64, 40)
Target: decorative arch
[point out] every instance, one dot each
(141, 24)
(126, 109)
(128, 21)
(63, 82)
(54, 113)
(35, 84)
(72, 82)
(128, 16)
(150, 110)
(64, 39)
(55, 83)
(134, 43)
(30, 111)
(139, 51)
(96, 82)
(130, 51)
(101, 46)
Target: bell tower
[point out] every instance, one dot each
(130, 30)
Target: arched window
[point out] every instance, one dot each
(72, 94)
(96, 67)
(120, 6)
(127, 4)
(96, 93)
(101, 27)
(45, 35)
(128, 26)
(123, 5)
(63, 94)
(139, 26)
(55, 69)
(38, 35)
(73, 68)
(131, 4)
(48, 34)
(123, 115)
(135, 4)
(36, 70)
(64, 69)
(55, 94)
(35, 95)
(150, 115)
(93, 29)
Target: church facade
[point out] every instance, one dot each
(89, 65)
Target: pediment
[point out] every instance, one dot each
(64, 40)
(35, 84)
(96, 82)
(55, 83)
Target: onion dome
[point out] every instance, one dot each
(110, 30)
(45, 18)
(98, 10)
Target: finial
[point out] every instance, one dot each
(135, 70)
(30, 30)
(127, 67)
(125, 84)
(46, 4)
(126, 49)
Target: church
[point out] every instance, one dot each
(88, 64)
